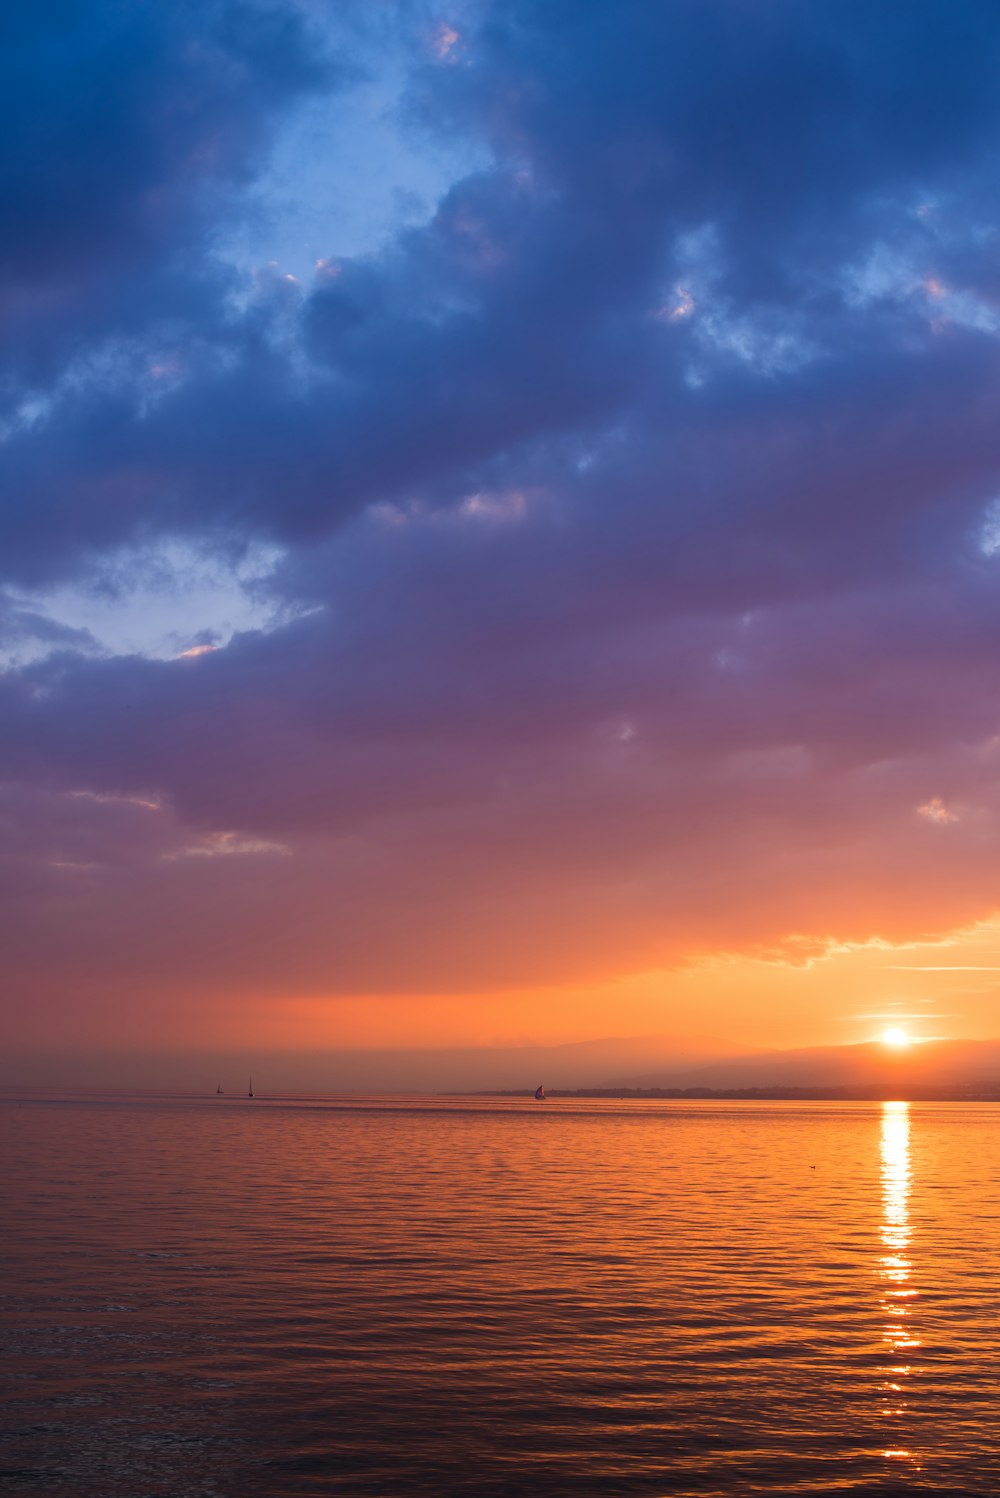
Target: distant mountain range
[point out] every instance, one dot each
(927, 1064)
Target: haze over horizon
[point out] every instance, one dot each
(608, 1063)
(500, 537)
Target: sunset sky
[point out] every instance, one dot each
(499, 524)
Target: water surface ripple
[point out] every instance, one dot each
(224, 1299)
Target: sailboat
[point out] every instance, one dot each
(250, 1089)
(539, 1093)
(218, 1090)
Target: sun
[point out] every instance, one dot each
(895, 1037)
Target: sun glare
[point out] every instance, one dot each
(895, 1037)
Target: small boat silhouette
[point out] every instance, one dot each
(218, 1090)
(250, 1088)
(539, 1093)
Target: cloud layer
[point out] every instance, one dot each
(632, 517)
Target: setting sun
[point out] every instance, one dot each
(895, 1037)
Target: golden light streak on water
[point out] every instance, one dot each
(895, 1272)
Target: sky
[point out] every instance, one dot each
(499, 526)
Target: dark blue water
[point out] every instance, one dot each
(228, 1299)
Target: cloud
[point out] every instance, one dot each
(628, 522)
(935, 810)
(26, 633)
(229, 845)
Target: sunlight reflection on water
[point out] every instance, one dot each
(896, 1271)
(263, 1300)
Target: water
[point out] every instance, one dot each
(223, 1299)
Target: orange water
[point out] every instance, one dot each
(218, 1299)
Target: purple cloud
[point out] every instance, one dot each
(633, 517)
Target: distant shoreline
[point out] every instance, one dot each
(877, 1093)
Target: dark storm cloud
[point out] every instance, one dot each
(641, 498)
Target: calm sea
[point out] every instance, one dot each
(222, 1299)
